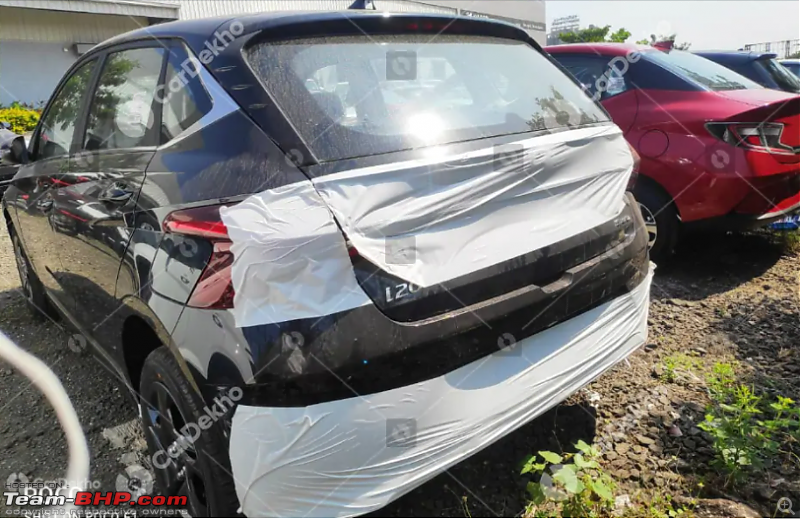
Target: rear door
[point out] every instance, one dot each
(38, 181)
(119, 139)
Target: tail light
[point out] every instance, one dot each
(214, 289)
(351, 249)
(637, 160)
(758, 137)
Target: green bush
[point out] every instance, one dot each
(748, 435)
(22, 120)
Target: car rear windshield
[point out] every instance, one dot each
(353, 96)
(793, 67)
(781, 75)
(701, 71)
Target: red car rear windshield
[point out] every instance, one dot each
(352, 96)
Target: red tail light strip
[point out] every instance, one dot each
(214, 289)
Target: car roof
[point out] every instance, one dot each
(197, 32)
(790, 60)
(735, 56)
(601, 48)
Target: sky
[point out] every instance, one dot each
(707, 24)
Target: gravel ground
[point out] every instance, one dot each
(730, 298)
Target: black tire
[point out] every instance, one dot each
(661, 219)
(32, 288)
(207, 481)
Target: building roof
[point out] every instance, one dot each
(148, 8)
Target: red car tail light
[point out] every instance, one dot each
(214, 289)
(764, 137)
(637, 160)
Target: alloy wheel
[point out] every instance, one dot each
(179, 471)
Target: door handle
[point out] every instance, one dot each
(117, 193)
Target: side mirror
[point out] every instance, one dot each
(17, 152)
(5, 125)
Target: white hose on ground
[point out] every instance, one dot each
(47, 382)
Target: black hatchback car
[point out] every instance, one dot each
(330, 254)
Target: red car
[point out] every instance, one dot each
(718, 151)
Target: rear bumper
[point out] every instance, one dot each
(773, 211)
(353, 456)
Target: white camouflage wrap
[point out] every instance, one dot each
(425, 221)
(353, 456)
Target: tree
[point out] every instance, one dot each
(653, 40)
(620, 36)
(594, 34)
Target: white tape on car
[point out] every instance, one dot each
(353, 456)
(424, 221)
(291, 259)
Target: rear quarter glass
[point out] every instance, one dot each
(353, 96)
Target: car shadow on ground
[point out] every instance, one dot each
(489, 483)
(708, 264)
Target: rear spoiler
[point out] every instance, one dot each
(766, 55)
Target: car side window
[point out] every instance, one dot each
(58, 125)
(121, 113)
(183, 97)
(598, 75)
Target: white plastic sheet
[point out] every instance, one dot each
(350, 457)
(425, 221)
(291, 259)
(447, 217)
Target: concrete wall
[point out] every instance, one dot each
(37, 25)
(36, 47)
(30, 71)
